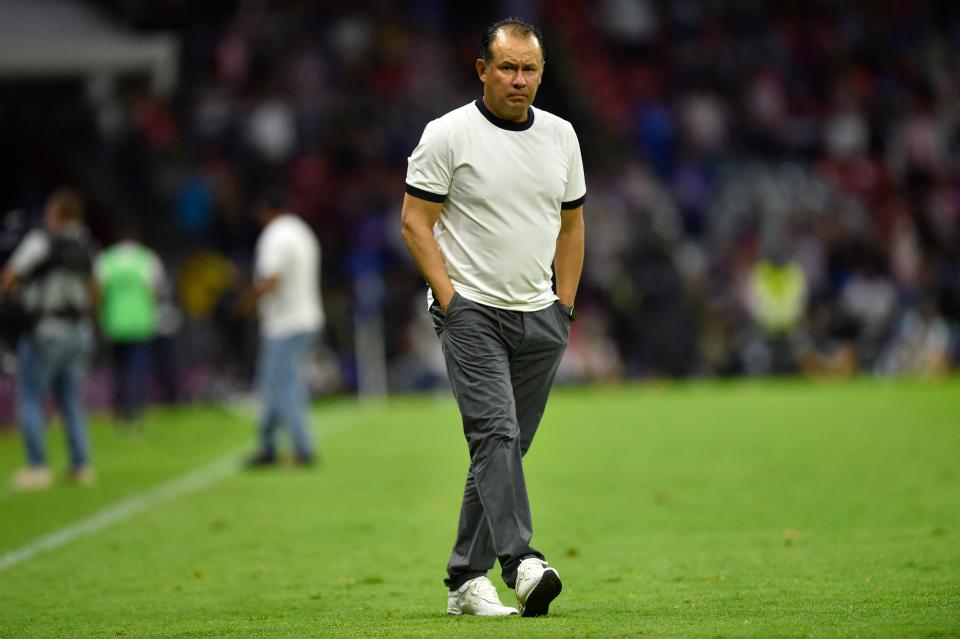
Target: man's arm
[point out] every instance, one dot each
(8, 279)
(260, 288)
(568, 260)
(417, 222)
(31, 251)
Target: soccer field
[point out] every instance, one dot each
(781, 509)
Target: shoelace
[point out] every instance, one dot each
(484, 589)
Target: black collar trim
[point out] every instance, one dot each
(509, 125)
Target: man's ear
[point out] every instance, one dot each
(481, 69)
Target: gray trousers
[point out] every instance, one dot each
(501, 366)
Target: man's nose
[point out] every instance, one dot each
(518, 80)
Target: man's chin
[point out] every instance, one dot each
(515, 110)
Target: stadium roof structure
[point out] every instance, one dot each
(57, 38)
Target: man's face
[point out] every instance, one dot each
(511, 80)
(52, 219)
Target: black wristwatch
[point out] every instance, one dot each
(571, 311)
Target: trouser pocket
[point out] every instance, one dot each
(439, 316)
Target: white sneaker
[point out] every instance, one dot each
(477, 597)
(83, 476)
(537, 585)
(33, 478)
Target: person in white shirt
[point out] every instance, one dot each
(493, 209)
(286, 291)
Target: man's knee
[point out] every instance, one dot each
(484, 444)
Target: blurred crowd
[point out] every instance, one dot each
(773, 188)
(785, 193)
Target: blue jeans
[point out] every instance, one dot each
(54, 362)
(131, 373)
(282, 393)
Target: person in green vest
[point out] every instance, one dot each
(130, 278)
(777, 296)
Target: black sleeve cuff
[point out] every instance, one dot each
(425, 195)
(566, 206)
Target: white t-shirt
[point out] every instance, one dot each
(288, 250)
(503, 186)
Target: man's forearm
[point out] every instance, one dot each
(250, 298)
(568, 260)
(8, 278)
(263, 287)
(426, 253)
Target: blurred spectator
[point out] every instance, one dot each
(130, 278)
(776, 300)
(287, 292)
(164, 351)
(52, 270)
(868, 307)
(271, 130)
(194, 206)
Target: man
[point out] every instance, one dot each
(494, 197)
(130, 277)
(287, 291)
(51, 270)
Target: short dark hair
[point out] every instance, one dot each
(69, 203)
(516, 26)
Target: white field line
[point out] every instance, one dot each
(204, 477)
(196, 480)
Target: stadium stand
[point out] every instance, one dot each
(732, 149)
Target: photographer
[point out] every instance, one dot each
(50, 273)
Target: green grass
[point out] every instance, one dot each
(780, 509)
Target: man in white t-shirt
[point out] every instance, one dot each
(287, 292)
(494, 208)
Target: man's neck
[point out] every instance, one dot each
(272, 217)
